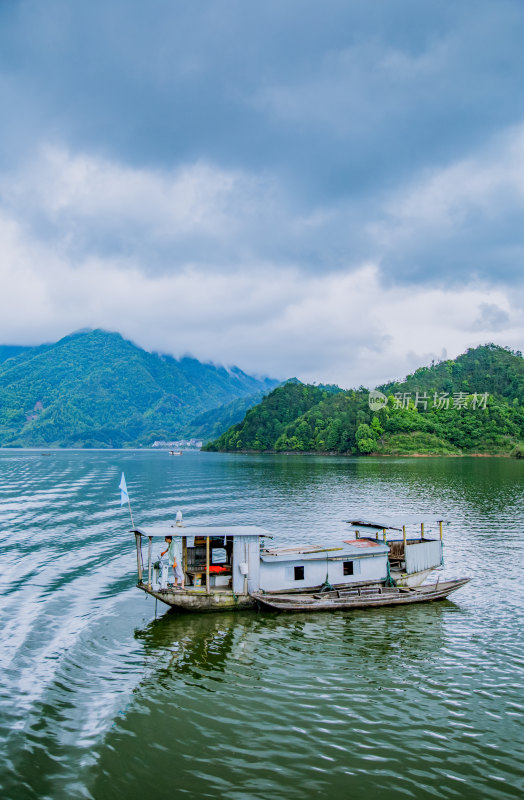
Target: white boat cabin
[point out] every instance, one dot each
(212, 558)
(349, 562)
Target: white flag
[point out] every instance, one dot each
(124, 497)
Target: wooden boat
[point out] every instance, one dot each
(359, 597)
(236, 567)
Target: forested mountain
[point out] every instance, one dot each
(213, 423)
(473, 404)
(95, 389)
(10, 350)
(489, 368)
(264, 424)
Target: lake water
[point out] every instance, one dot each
(99, 699)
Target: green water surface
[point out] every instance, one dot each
(99, 699)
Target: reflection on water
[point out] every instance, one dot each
(100, 700)
(266, 703)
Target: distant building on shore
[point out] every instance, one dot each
(188, 444)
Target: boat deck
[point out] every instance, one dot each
(360, 598)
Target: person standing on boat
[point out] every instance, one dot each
(174, 559)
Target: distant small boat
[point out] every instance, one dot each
(175, 452)
(359, 597)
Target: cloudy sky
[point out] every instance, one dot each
(333, 190)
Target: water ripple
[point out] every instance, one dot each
(99, 699)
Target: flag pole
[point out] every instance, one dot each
(130, 512)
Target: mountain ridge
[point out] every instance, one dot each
(96, 388)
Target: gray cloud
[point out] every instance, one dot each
(214, 148)
(325, 110)
(491, 318)
(342, 97)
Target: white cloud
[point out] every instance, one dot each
(447, 224)
(267, 315)
(86, 204)
(341, 327)
(466, 204)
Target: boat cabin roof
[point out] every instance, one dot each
(198, 530)
(350, 548)
(393, 522)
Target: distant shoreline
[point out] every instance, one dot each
(359, 455)
(57, 449)
(294, 453)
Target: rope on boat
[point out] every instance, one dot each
(326, 586)
(389, 579)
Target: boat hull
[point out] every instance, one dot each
(345, 601)
(413, 580)
(188, 600)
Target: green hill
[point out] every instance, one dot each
(488, 368)
(213, 423)
(95, 389)
(472, 404)
(273, 418)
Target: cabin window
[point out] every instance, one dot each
(196, 556)
(299, 573)
(348, 568)
(218, 555)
